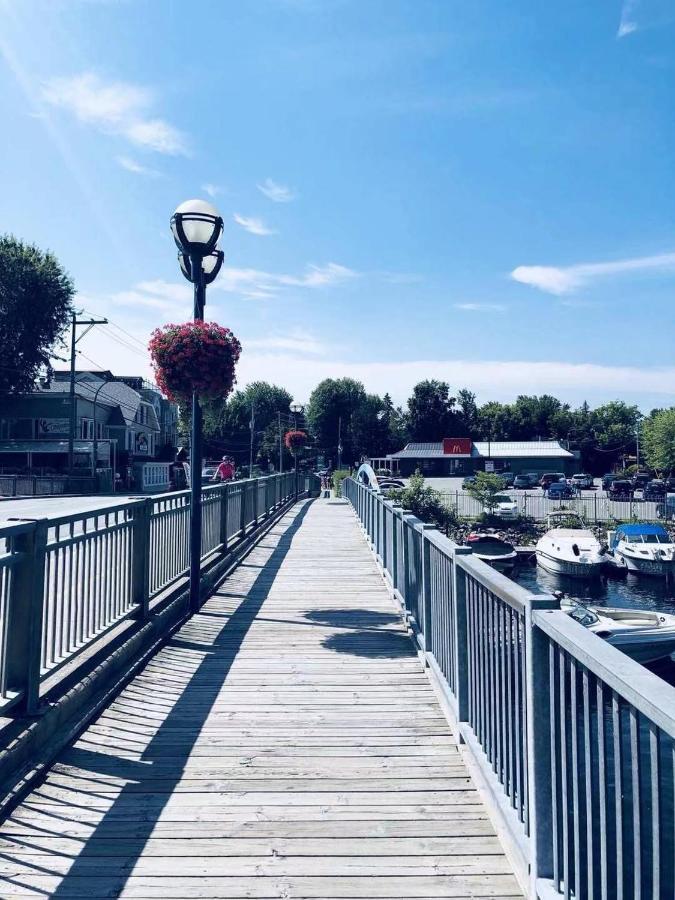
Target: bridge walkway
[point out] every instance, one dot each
(285, 743)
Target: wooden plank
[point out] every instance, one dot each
(285, 743)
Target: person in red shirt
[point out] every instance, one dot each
(225, 471)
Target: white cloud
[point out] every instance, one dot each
(279, 193)
(211, 189)
(555, 280)
(479, 307)
(257, 284)
(132, 166)
(627, 23)
(252, 225)
(115, 107)
(300, 342)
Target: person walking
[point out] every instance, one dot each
(225, 471)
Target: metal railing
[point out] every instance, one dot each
(594, 508)
(67, 581)
(573, 742)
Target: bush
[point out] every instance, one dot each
(339, 476)
(425, 503)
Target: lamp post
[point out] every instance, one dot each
(296, 409)
(196, 228)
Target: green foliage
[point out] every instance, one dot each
(431, 412)
(36, 297)
(339, 476)
(658, 438)
(426, 503)
(485, 488)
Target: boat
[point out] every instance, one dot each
(492, 548)
(644, 635)
(645, 549)
(569, 548)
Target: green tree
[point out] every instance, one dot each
(658, 439)
(485, 488)
(468, 413)
(425, 502)
(36, 297)
(332, 400)
(432, 414)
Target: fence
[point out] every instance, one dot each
(572, 740)
(41, 485)
(66, 582)
(594, 508)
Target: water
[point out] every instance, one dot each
(630, 591)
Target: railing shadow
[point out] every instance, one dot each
(142, 799)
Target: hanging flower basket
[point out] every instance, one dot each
(195, 356)
(295, 441)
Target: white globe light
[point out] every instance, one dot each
(209, 263)
(199, 223)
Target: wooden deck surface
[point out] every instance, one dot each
(286, 743)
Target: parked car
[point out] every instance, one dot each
(387, 485)
(607, 481)
(621, 489)
(508, 478)
(670, 484)
(470, 479)
(560, 490)
(550, 478)
(504, 507)
(640, 480)
(522, 482)
(655, 489)
(582, 481)
(534, 478)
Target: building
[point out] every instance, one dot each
(117, 426)
(462, 456)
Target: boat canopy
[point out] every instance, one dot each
(639, 532)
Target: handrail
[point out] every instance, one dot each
(572, 741)
(66, 582)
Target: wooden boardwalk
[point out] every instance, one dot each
(285, 743)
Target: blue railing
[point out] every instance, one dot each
(573, 742)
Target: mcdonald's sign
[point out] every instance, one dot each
(457, 446)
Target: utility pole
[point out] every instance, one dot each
(74, 341)
(637, 446)
(250, 456)
(281, 445)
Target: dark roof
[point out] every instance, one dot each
(491, 449)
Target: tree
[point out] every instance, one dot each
(36, 296)
(485, 488)
(468, 413)
(426, 503)
(333, 406)
(431, 412)
(658, 440)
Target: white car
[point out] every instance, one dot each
(504, 507)
(582, 481)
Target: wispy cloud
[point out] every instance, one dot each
(480, 307)
(132, 166)
(211, 189)
(297, 342)
(253, 225)
(259, 285)
(115, 107)
(279, 193)
(627, 22)
(556, 280)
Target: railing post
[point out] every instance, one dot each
(140, 562)
(224, 501)
(394, 546)
(23, 626)
(242, 511)
(538, 717)
(425, 624)
(461, 635)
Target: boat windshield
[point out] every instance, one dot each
(650, 539)
(583, 616)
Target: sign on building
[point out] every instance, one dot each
(457, 446)
(49, 427)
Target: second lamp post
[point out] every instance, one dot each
(196, 228)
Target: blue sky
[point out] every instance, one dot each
(476, 191)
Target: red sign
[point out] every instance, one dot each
(457, 446)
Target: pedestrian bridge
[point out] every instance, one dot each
(359, 710)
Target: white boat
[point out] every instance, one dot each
(644, 549)
(644, 635)
(491, 547)
(568, 548)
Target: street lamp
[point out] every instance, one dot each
(196, 228)
(296, 409)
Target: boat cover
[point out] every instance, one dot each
(632, 531)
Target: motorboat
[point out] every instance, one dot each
(492, 548)
(644, 635)
(645, 549)
(569, 548)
